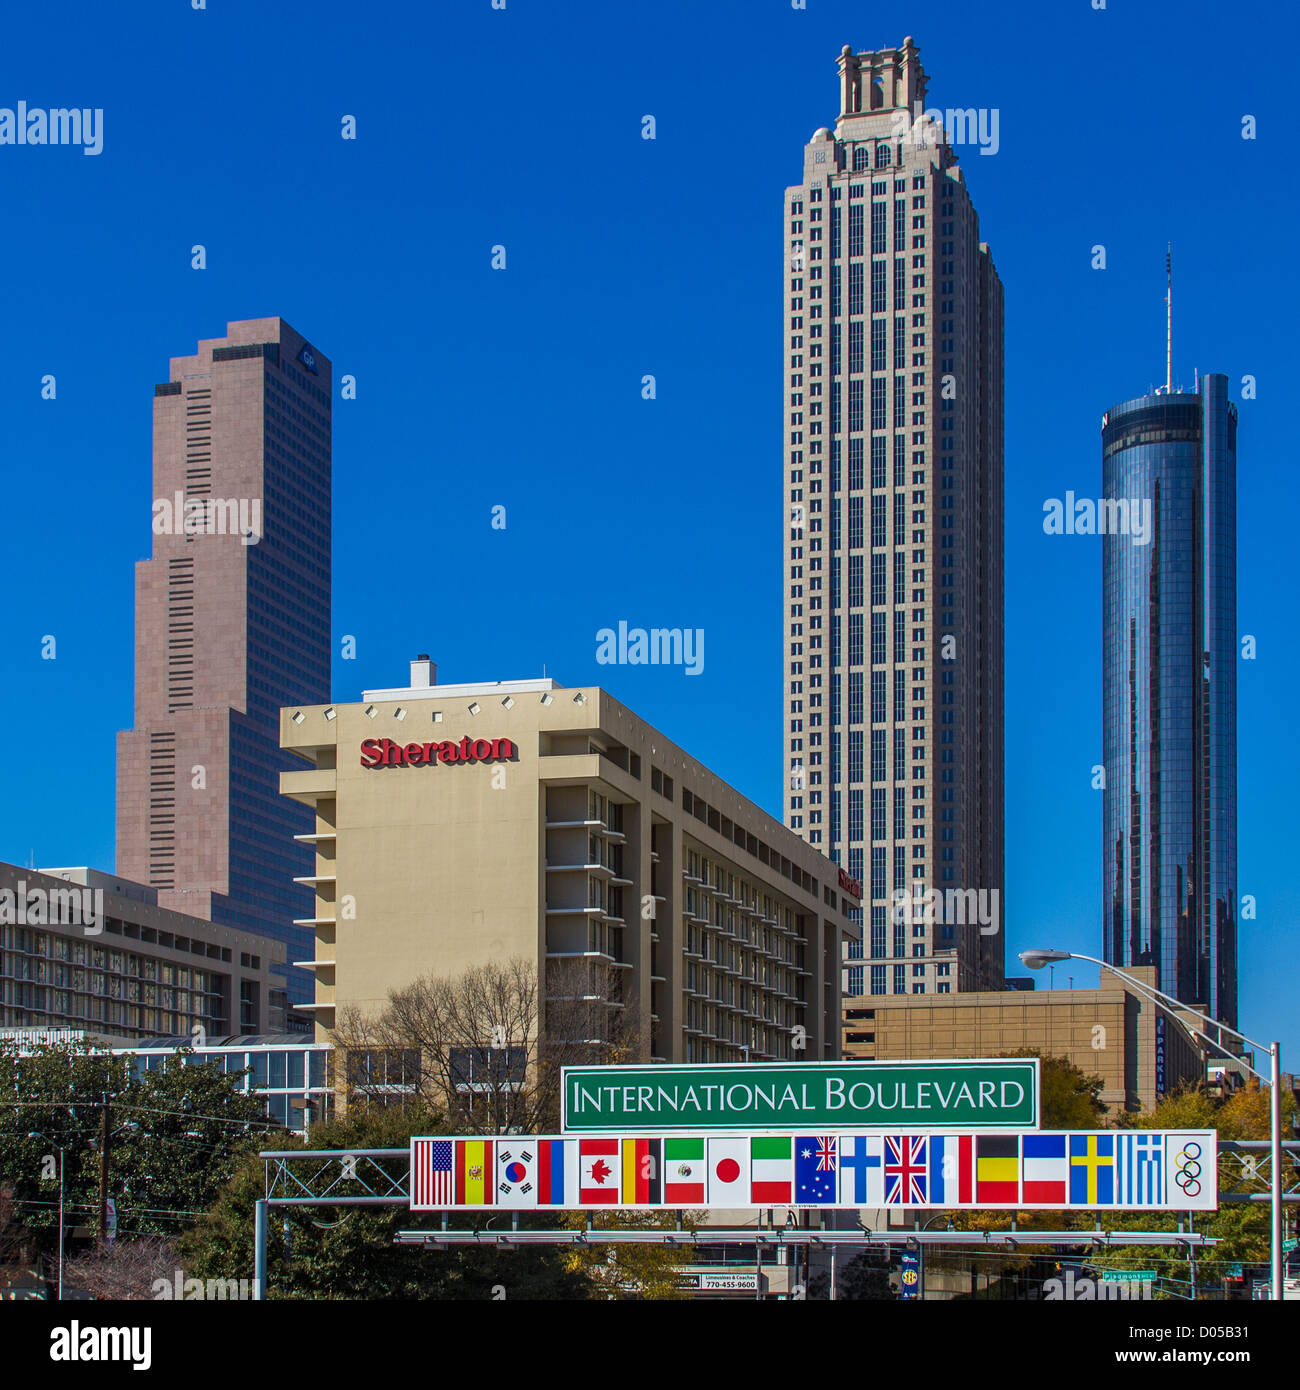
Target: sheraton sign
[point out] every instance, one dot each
(383, 752)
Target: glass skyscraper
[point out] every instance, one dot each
(1170, 692)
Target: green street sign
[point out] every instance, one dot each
(1289, 1244)
(987, 1095)
(1130, 1276)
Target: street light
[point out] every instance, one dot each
(1035, 960)
(36, 1134)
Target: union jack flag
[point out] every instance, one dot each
(906, 1170)
(825, 1155)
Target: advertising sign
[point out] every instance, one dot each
(992, 1094)
(1152, 1170)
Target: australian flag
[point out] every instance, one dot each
(816, 1168)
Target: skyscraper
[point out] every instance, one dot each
(893, 578)
(1169, 689)
(232, 622)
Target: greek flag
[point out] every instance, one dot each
(1140, 1170)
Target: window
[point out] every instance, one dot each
(879, 352)
(878, 228)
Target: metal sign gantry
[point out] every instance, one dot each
(381, 1177)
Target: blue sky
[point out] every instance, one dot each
(1119, 127)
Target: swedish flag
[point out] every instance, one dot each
(1092, 1169)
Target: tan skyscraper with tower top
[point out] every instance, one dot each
(893, 554)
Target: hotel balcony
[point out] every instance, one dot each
(310, 786)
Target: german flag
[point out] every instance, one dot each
(642, 1172)
(997, 1168)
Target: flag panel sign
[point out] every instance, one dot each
(1151, 1170)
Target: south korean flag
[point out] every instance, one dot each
(516, 1184)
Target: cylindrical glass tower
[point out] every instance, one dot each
(1169, 691)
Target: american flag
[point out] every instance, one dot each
(432, 1185)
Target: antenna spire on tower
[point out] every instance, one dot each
(1169, 317)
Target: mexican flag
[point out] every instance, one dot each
(683, 1172)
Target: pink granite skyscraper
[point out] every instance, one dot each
(232, 622)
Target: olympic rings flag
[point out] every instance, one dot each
(1192, 1165)
(1094, 1170)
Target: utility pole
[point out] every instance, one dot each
(105, 1137)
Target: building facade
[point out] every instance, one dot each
(1140, 1052)
(232, 622)
(290, 1075)
(1169, 691)
(893, 560)
(85, 950)
(457, 825)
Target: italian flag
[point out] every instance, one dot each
(772, 1169)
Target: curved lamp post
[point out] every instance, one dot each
(1035, 960)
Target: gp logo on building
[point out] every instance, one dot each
(383, 752)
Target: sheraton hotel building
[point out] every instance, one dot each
(456, 825)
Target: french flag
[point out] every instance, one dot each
(951, 1170)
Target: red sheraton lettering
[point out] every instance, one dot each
(383, 752)
(850, 884)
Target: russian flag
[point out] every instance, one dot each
(557, 1173)
(1047, 1168)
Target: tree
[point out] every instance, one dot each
(1242, 1228)
(127, 1269)
(484, 1047)
(179, 1133)
(634, 1270)
(348, 1252)
(1069, 1098)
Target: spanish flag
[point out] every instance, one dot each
(473, 1172)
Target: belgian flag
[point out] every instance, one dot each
(642, 1172)
(997, 1168)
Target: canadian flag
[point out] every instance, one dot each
(598, 1171)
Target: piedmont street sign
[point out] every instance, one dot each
(989, 1095)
